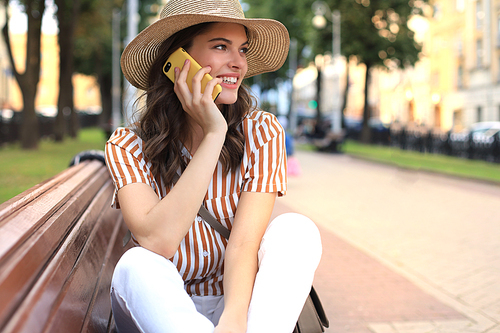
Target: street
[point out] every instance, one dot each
(403, 251)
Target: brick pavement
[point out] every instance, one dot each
(436, 272)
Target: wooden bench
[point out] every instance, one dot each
(59, 243)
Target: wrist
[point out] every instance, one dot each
(238, 323)
(218, 135)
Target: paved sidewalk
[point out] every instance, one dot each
(403, 251)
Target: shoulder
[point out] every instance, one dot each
(125, 138)
(262, 122)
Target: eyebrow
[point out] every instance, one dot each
(225, 40)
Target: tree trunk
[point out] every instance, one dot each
(318, 97)
(67, 16)
(29, 125)
(28, 81)
(106, 102)
(365, 131)
(346, 94)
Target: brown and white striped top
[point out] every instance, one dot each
(200, 256)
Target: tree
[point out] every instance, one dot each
(93, 44)
(28, 80)
(376, 33)
(296, 16)
(67, 16)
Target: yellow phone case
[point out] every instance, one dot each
(177, 59)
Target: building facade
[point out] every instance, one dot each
(465, 61)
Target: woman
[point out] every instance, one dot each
(183, 276)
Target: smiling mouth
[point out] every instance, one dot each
(229, 80)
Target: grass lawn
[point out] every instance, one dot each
(455, 166)
(22, 169)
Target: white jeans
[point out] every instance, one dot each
(148, 296)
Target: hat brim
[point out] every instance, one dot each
(268, 48)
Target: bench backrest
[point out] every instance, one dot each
(59, 243)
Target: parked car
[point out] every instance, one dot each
(481, 131)
(485, 128)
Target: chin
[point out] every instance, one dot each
(226, 98)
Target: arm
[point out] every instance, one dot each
(241, 262)
(160, 225)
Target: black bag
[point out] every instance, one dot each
(312, 319)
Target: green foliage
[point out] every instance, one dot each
(296, 15)
(375, 31)
(93, 37)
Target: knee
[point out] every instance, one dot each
(139, 266)
(298, 233)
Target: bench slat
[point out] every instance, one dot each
(32, 216)
(101, 304)
(19, 271)
(48, 292)
(83, 285)
(15, 204)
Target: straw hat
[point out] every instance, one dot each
(269, 40)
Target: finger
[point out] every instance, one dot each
(197, 79)
(209, 89)
(180, 79)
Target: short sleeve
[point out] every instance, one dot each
(125, 161)
(265, 145)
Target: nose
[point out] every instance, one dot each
(238, 60)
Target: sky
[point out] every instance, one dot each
(18, 21)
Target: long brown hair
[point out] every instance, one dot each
(163, 124)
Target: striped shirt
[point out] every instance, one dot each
(200, 256)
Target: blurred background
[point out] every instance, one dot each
(409, 75)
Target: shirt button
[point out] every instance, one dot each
(205, 253)
(198, 219)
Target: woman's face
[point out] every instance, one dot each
(223, 47)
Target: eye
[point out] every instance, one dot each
(221, 47)
(244, 50)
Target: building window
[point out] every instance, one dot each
(498, 75)
(479, 15)
(479, 52)
(498, 30)
(479, 114)
(460, 47)
(460, 77)
(457, 120)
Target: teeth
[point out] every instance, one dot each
(229, 80)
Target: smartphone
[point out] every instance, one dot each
(177, 59)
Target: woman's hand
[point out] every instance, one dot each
(200, 107)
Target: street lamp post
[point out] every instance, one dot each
(116, 116)
(322, 12)
(129, 90)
